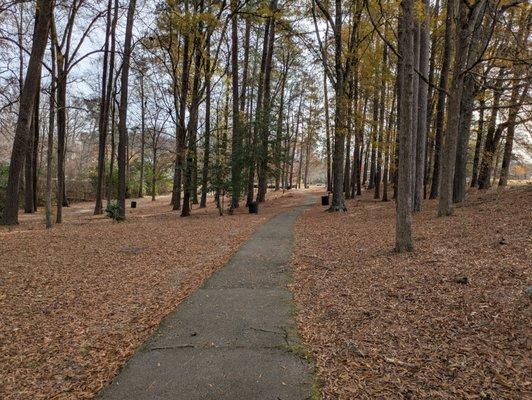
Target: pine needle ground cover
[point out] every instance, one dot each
(448, 321)
(77, 300)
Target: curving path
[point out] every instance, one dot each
(234, 338)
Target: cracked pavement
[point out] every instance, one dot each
(231, 339)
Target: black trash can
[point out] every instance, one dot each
(325, 200)
(133, 204)
(253, 207)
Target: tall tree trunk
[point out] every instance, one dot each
(380, 139)
(478, 144)
(188, 186)
(388, 148)
(27, 101)
(327, 132)
(466, 113)
(236, 148)
(340, 128)
(28, 166)
(279, 133)
(122, 110)
(207, 142)
(403, 226)
(257, 126)
(465, 23)
(421, 112)
(103, 122)
(181, 128)
(266, 113)
(374, 140)
(35, 155)
(440, 106)
(50, 148)
(142, 135)
(490, 146)
(494, 136)
(510, 133)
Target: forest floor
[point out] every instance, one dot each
(449, 321)
(77, 300)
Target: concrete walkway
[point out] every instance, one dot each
(233, 339)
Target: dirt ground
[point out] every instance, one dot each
(77, 300)
(452, 320)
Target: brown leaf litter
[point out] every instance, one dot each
(77, 300)
(451, 320)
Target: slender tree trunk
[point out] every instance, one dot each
(192, 129)
(374, 140)
(236, 149)
(122, 110)
(142, 135)
(380, 139)
(478, 145)
(50, 148)
(181, 128)
(465, 23)
(110, 185)
(207, 143)
(154, 167)
(403, 227)
(466, 113)
(421, 112)
(340, 128)
(440, 106)
(490, 146)
(103, 122)
(266, 113)
(327, 132)
(257, 127)
(35, 155)
(510, 133)
(28, 166)
(27, 100)
(388, 149)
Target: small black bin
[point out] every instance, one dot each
(253, 208)
(133, 204)
(324, 200)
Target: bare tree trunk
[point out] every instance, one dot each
(388, 149)
(465, 21)
(28, 166)
(207, 143)
(50, 148)
(380, 139)
(35, 155)
(188, 186)
(510, 133)
(403, 227)
(340, 128)
(490, 146)
(181, 128)
(373, 140)
(142, 135)
(478, 145)
(327, 132)
(122, 110)
(266, 113)
(27, 101)
(103, 122)
(236, 148)
(440, 106)
(466, 113)
(422, 95)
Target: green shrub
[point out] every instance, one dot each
(113, 211)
